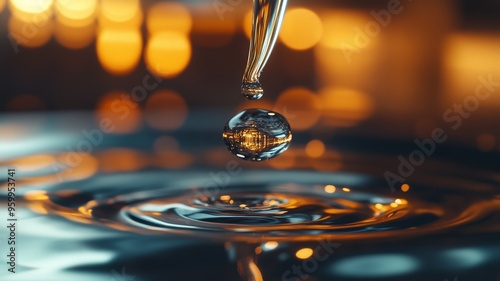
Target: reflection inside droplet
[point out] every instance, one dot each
(257, 134)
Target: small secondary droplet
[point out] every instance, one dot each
(257, 134)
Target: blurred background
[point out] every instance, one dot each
(385, 68)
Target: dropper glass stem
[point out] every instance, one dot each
(267, 18)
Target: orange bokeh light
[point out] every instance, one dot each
(168, 53)
(73, 36)
(76, 12)
(169, 16)
(300, 106)
(315, 148)
(301, 30)
(123, 114)
(120, 160)
(119, 50)
(120, 13)
(31, 33)
(304, 253)
(345, 107)
(166, 110)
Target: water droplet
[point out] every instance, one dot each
(252, 91)
(257, 134)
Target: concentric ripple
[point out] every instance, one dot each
(292, 206)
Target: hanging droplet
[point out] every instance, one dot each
(257, 134)
(267, 18)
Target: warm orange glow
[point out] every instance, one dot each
(74, 37)
(405, 187)
(466, 57)
(166, 143)
(25, 102)
(345, 107)
(300, 106)
(166, 110)
(33, 162)
(210, 31)
(34, 195)
(79, 166)
(486, 142)
(258, 250)
(29, 33)
(304, 253)
(285, 161)
(315, 148)
(394, 204)
(345, 189)
(330, 188)
(169, 16)
(243, 206)
(120, 13)
(225, 198)
(121, 111)
(30, 6)
(400, 201)
(168, 53)
(2, 5)
(271, 245)
(173, 159)
(247, 23)
(76, 12)
(120, 160)
(378, 206)
(338, 27)
(301, 30)
(119, 51)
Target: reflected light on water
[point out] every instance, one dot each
(119, 50)
(168, 53)
(75, 166)
(120, 160)
(304, 253)
(301, 29)
(124, 114)
(33, 162)
(271, 245)
(330, 188)
(382, 265)
(165, 110)
(300, 106)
